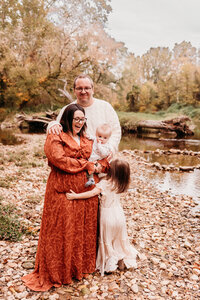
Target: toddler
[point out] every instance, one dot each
(114, 249)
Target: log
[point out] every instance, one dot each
(35, 123)
(51, 115)
(178, 125)
(151, 124)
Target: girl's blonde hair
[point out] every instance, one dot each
(119, 175)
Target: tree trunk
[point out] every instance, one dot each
(178, 125)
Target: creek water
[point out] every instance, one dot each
(174, 182)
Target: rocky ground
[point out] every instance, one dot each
(161, 227)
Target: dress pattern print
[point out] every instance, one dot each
(68, 233)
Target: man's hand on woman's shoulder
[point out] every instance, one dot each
(55, 129)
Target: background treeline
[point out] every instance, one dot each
(162, 78)
(43, 42)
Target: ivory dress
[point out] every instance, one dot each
(114, 243)
(68, 233)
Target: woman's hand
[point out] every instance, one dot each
(71, 196)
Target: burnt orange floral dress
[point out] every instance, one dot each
(68, 233)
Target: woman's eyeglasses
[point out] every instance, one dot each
(78, 120)
(80, 89)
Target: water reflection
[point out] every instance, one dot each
(174, 182)
(132, 141)
(173, 159)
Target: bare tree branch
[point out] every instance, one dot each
(65, 92)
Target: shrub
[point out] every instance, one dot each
(3, 114)
(175, 107)
(7, 138)
(10, 227)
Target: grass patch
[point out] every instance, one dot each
(22, 159)
(10, 227)
(8, 181)
(177, 109)
(136, 117)
(8, 138)
(33, 199)
(128, 120)
(39, 153)
(4, 184)
(29, 164)
(15, 157)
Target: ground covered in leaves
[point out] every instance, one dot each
(161, 227)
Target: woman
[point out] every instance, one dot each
(67, 242)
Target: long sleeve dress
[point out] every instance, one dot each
(114, 243)
(68, 233)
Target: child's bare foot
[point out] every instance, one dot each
(121, 265)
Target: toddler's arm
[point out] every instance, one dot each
(84, 195)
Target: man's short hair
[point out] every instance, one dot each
(83, 76)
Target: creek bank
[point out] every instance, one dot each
(178, 127)
(160, 226)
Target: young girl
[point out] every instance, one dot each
(114, 246)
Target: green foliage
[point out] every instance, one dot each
(132, 98)
(184, 109)
(10, 227)
(175, 108)
(194, 113)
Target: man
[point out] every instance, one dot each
(97, 112)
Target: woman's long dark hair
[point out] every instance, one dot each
(119, 175)
(67, 118)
